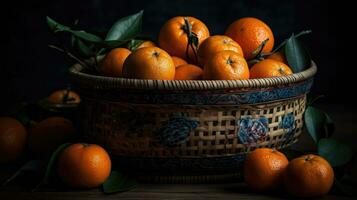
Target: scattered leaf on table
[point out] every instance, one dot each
(51, 166)
(118, 182)
(335, 152)
(31, 166)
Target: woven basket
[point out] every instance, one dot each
(190, 131)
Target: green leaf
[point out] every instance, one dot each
(318, 123)
(118, 182)
(297, 55)
(133, 44)
(336, 153)
(57, 27)
(314, 121)
(31, 166)
(51, 166)
(125, 28)
(81, 47)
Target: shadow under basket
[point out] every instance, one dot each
(190, 131)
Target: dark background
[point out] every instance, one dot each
(31, 70)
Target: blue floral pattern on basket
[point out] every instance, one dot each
(288, 124)
(252, 130)
(176, 130)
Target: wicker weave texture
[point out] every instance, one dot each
(133, 130)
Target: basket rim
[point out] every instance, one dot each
(78, 77)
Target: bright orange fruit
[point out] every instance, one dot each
(249, 33)
(188, 72)
(112, 63)
(84, 165)
(264, 169)
(149, 63)
(173, 36)
(269, 68)
(226, 65)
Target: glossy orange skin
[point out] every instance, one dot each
(308, 176)
(226, 65)
(178, 61)
(269, 68)
(278, 56)
(147, 43)
(112, 63)
(84, 165)
(45, 136)
(249, 33)
(173, 39)
(188, 72)
(57, 97)
(264, 169)
(149, 63)
(12, 140)
(215, 44)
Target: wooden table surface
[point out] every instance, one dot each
(346, 130)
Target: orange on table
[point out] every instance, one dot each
(188, 72)
(278, 56)
(264, 169)
(215, 44)
(149, 63)
(12, 140)
(226, 65)
(64, 96)
(146, 43)
(173, 36)
(269, 68)
(308, 176)
(112, 63)
(45, 136)
(178, 61)
(84, 165)
(249, 33)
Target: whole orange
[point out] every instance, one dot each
(173, 36)
(45, 136)
(226, 65)
(147, 43)
(308, 176)
(178, 61)
(149, 63)
(278, 56)
(12, 140)
(269, 68)
(249, 33)
(215, 44)
(112, 63)
(64, 96)
(264, 169)
(83, 165)
(188, 72)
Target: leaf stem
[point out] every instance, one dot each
(305, 32)
(69, 54)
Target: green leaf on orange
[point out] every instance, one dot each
(296, 54)
(133, 44)
(118, 182)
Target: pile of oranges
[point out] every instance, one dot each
(186, 51)
(267, 169)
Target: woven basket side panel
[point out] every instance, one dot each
(193, 131)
